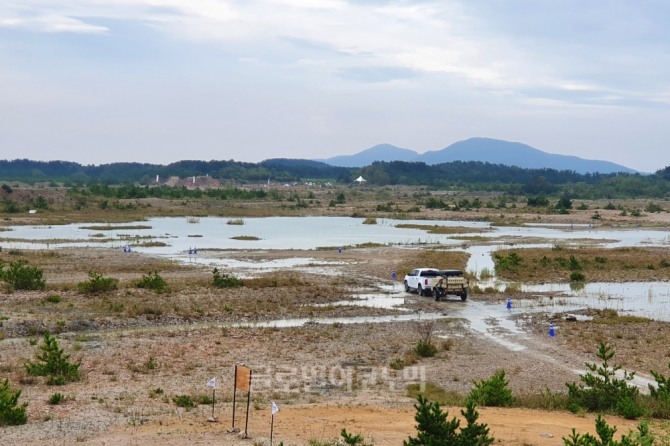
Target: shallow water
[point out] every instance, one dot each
(308, 233)
(643, 299)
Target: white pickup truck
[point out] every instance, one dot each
(436, 282)
(421, 280)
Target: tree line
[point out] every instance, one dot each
(457, 175)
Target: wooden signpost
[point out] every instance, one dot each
(243, 383)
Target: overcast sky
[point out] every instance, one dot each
(98, 81)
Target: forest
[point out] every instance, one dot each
(458, 175)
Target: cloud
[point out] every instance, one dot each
(52, 24)
(412, 72)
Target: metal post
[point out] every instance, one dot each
(246, 423)
(213, 401)
(234, 394)
(272, 426)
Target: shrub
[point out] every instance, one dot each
(153, 281)
(56, 398)
(146, 367)
(576, 276)
(96, 283)
(564, 203)
(642, 437)
(508, 262)
(538, 201)
(11, 207)
(153, 393)
(629, 408)
(573, 264)
(425, 349)
(52, 299)
(40, 203)
(662, 389)
(397, 364)
(53, 363)
(492, 392)
(434, 429)
(20, 276)
(223, 280)
(352, 439)
(183, 401)
(661, 393)
(11, 412)
(653, 207)
(600, 390)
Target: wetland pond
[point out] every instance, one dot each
(177, 237)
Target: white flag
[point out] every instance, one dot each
(275, 408)
(212, 383)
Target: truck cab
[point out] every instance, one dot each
(421, 280)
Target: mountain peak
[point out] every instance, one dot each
(489, 150)
(380, 152)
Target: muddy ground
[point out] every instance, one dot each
(139, 349)
(324, 377)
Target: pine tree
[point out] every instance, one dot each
(53, 363)
(11, 413)
(433, 428)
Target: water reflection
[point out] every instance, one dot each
(645, 299)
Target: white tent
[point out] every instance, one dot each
(360, 180)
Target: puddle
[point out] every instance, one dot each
(288, 323)
(260, 265)
(369, 301)
(490, 320)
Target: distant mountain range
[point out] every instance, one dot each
(489, 150)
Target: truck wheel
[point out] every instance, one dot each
(464, 296)
(406, 288)
(419, 290)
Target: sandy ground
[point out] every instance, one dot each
(324, 377)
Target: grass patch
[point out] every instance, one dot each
(153, 281)
(359, 245)
(436, 229)
(52, 299)
(435, 393)
(97, 283)
(560, 263)
(275, 281)
(245, 237)
(150, 244)
(235, 221)
(612, 317)
(114, 227)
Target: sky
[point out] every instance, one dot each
(158, 81)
